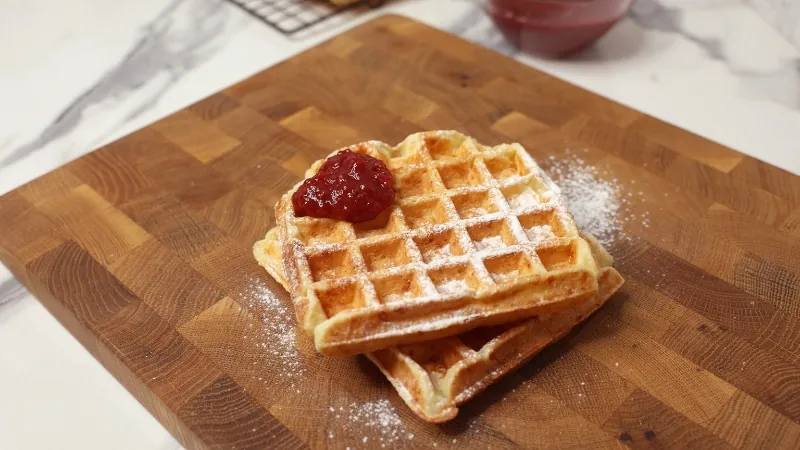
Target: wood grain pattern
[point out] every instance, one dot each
(142, 250)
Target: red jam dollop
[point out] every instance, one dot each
(349, 186)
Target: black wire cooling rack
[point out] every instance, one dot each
(292, 16)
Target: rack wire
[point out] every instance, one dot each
(292, 16)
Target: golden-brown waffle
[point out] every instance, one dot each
(434, 378)
(478, 237)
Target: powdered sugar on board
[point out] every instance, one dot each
(595, 199)
(373, 424)
(277, 334)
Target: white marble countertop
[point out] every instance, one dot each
(710, 66)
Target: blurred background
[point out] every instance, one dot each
(79, 74)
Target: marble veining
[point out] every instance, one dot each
(477, 27)
(178, 38)
(654, 15)
(11, 290)
(124, 64)
(780, 84)
(784, 15)
(665, 51)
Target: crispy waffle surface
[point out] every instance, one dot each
(434, 378)
(478, 236)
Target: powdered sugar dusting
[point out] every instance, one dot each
(277, 332)
(438, 253)
(398, 296)
(489, 242)
(595, 202)
(505, 277)
(540, 233)
(474, 211)
(380, 418)
(453, 287)
(526, 198)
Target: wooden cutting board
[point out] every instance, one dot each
(142, 249)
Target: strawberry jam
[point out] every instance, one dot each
(349, 186)
(555, 27)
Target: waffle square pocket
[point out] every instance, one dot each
(477, 236)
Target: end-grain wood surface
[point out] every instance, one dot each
(142, 250)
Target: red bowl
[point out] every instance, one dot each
(555, 27)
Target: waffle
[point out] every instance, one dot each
(478, 237)
(434, 378)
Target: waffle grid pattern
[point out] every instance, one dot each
(471, 223)
(435, 377)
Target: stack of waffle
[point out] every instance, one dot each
(474, 269)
